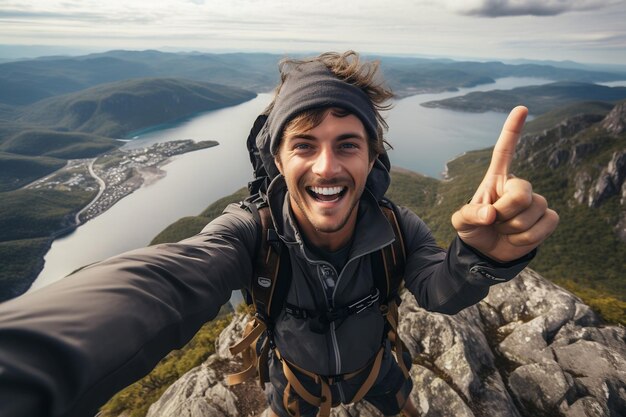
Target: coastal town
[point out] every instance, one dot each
(114, 175)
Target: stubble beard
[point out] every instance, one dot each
(331, 228)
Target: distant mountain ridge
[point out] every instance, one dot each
(24, 82)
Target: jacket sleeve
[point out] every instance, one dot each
(449, 281)
(67, 348)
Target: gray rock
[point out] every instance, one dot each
(581, 151)
(558, 158)
(539, 386)
(610, 180)
(231, 335)
(581, 184)
(199, 393)
(615, 121)
(585, 407)
(529, 348)
(433, 397)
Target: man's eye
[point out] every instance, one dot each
(301, 146)
(349, 146)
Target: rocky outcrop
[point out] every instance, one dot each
(529, 349)
(556, 143)
(615, 121)
(610, 181)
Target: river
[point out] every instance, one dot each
(423, 139)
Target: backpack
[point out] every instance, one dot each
(271, 282)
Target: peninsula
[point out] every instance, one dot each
(115, 174)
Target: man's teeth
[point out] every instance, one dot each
(326, 190)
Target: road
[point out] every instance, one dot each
(101, 188)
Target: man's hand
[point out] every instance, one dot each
(505, 220)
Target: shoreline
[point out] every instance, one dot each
(139, 176)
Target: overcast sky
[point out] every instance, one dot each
(590, 31)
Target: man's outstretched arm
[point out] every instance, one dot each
(67, 348)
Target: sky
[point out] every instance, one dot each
(586, 31)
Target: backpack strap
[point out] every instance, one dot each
(388, 265)
(269, 284)
(264, 288)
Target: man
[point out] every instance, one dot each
(66, 348)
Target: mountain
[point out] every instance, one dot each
(27, 81)
(538, 98)
(116, 109)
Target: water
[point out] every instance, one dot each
(193, 181)
(423, 139)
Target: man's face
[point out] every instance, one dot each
(325, 169)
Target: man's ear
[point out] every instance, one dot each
(372, 162)
(278, 164)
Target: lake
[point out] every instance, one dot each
(424, 139)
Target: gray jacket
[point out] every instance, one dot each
(66, 348)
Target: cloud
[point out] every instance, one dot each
(500, 8)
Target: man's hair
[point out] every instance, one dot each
(349, 68)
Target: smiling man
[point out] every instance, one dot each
(68, 347)
(325, 169)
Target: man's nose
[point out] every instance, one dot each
(326, 164)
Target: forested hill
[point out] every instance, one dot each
(115, 109)
(538, 98)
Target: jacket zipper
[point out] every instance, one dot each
(331, 303)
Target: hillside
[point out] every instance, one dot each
(116, 109)
(18, 170)
(538, 98)
(67, 129)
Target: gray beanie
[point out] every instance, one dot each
(312, 85)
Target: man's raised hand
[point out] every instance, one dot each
(505, 220)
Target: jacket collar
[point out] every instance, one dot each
(372, 231)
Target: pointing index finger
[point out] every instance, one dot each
(505, 146)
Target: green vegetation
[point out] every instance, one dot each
(20, 259)
(36, 140)
(554, 117)
(189, 226)
(538, 98)
(137, 398)
(18, 170)
(63, 145)
(115, 109)
(28, 221)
